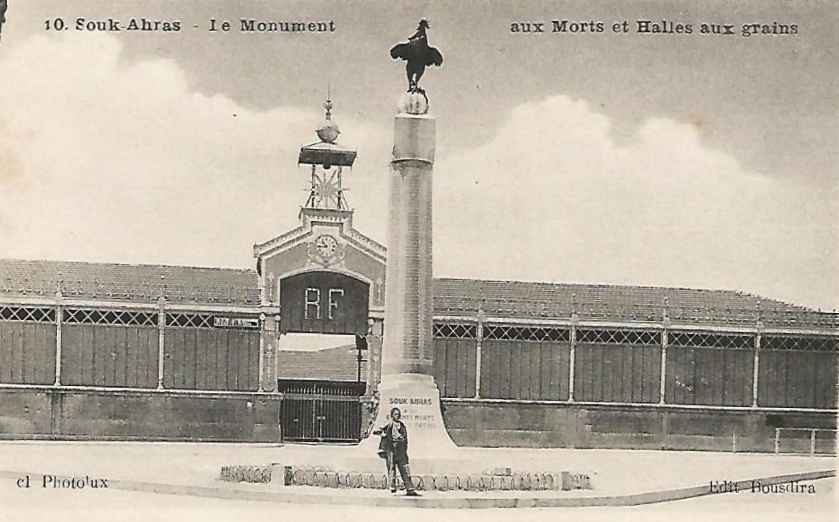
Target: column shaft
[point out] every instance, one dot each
(408, 343)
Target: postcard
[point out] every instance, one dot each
(368, 259)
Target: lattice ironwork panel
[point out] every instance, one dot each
(810, 344)
(711, 340)
(455, 330)
(110, 317)
(608, 336)
(37, 314)
(189, 320)
(526, 333)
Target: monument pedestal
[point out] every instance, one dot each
(430, 449)
(418, 398)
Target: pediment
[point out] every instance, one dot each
(324, 241)
(315, 222)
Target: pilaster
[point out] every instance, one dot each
(756, 362)
(665, 328)
(161, 339)
(59, 318)
(268, 333)
(479, 338)
(374, 353)
(572, 354)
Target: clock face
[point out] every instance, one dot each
(326, 245)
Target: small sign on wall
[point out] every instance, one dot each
(235, 322)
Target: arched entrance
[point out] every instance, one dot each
(326, 305)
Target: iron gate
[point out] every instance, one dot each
(322, 411)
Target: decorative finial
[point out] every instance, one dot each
(415, 103)
(328, 106)
(328, 131)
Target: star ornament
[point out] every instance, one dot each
(327, 189)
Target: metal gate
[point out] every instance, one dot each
(323, 411)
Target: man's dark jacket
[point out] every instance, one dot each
(400, 448)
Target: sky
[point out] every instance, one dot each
(669, 160)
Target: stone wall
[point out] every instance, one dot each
(475, 423)
(125, 415)
(61, 413)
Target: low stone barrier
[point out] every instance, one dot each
(499, 479)
(255, 474)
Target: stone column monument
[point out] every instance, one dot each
(407, 350)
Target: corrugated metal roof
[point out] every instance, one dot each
(612, 302)
(509, 299)
(124, 282)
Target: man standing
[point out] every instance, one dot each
(394, 445)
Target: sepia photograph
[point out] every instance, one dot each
(479, 260)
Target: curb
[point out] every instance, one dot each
(441, 503)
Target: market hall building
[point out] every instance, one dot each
(119, 351)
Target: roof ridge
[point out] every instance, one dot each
(106, 263)
(605, 285)
(46, 271)
(738, 292)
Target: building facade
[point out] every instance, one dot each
(116, 351)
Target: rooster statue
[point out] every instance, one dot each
(418, 54)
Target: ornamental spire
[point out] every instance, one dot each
(327, 159)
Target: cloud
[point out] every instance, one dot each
(112, 161)
(123, 162)
(553, 197)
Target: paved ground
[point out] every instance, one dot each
(110, 506)
(618, 472)
(614, 472)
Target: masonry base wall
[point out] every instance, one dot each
(630, 427)
(127, 415)
(66, 414)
